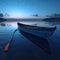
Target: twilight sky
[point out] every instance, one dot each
(26, 8)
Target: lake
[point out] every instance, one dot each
(23, 49)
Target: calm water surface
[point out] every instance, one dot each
(23, 49)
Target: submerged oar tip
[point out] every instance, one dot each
(6, 48)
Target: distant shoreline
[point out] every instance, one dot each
(24, 19)
(45, 19)
(52, 19)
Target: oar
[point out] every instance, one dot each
(6, 48)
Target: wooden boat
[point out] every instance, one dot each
(44, 32)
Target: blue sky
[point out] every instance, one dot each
(25, 8)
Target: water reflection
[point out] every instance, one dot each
(53, 23)
(18, 46)
(2, 24)
(39, 41)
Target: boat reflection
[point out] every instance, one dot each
(39, 41)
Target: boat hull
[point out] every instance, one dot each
(39, 31)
